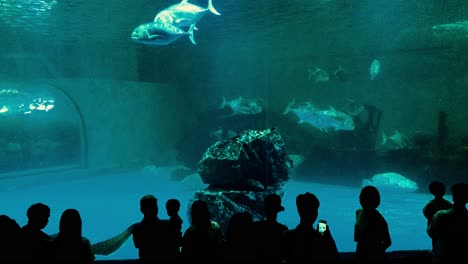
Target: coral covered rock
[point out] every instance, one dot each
(254, 159)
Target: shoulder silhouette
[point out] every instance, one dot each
(268, 231)
(437, 189)
(203, 240)
(371, 229)
(36, 245)
(304, 244)
(155, 239)
(240, 238)
(9, 240)
(449, 228)
(69, 246)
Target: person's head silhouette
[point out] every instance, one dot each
(38, 215)
(437, 189)
(307, 206)
(172, 207)
(200, 214)
(149, 206)
(369, 197)
(70, 224)
(239, 226)
(272, 204)
(460, 194)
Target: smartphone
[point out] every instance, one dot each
(322, 226)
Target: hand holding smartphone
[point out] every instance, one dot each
(322, 226)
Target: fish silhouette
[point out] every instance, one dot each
(374, 69)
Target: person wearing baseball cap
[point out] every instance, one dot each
(273, 204)
(269, 231)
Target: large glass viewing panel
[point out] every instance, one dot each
(40, 128)
(103, 102)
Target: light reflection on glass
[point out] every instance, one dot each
(13, 101)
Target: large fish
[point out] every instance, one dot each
(242, 106)
(318, 75)
(374, 69)
(159, 33)
(321, 119)
(391, 181)
(184, 14)
(398, 140)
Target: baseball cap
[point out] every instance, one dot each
(273, 202)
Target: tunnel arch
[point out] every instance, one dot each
(82, 126)
(42, 128)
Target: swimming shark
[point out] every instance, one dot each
(184, 14)
(160, 33)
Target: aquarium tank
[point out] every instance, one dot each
(103, 102)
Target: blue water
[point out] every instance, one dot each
(109, 203)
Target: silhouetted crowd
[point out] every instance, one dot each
(266, 241)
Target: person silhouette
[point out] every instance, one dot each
(153, 237)
(239, 238)
(268, 231)
(449, 229)
(69, 246)
(36, 245)
(371, 229)
(437, 189)
(305, 244)
(203, 241)
(10, 242)
(172, 210)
